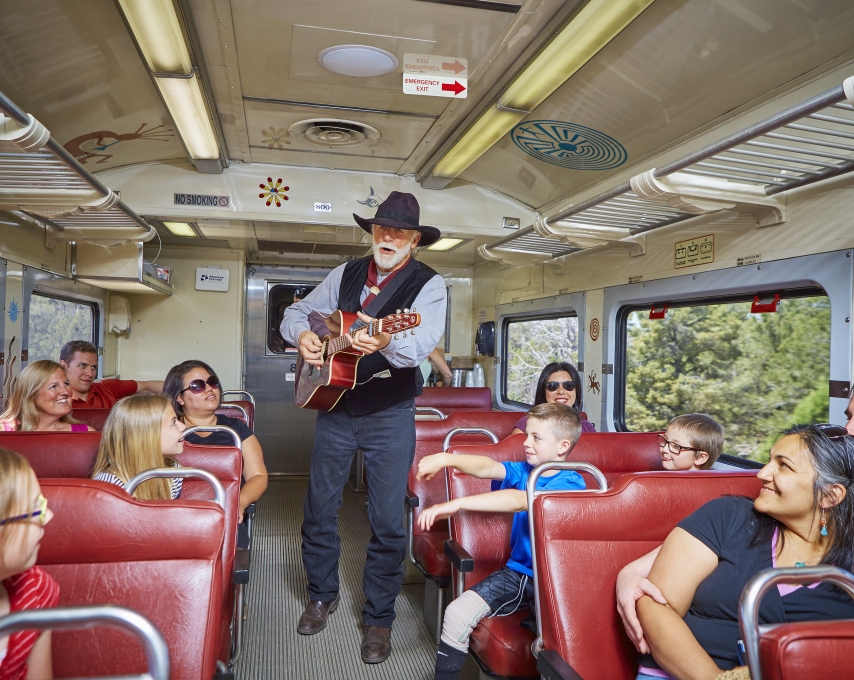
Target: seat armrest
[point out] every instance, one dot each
(250, 510)
(458, 556)
(241, 566)
(411, 500)
(552, 666)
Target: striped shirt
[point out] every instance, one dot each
(176, 482)
(31, 589)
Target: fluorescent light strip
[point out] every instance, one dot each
(576, 44)
(156, 27)
(183, 97)
(181, 229)
(444, 244)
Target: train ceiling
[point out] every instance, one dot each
(677, 68)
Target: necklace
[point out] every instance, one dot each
(800, 563)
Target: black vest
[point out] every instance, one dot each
(372, 395)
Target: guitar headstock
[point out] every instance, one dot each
(395, 323)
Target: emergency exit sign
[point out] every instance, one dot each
(435, 86)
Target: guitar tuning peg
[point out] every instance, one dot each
(406, 310)
(397, 312)
(412, 332)
(395, 336)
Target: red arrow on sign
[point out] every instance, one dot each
(456, 66)
(454, 87)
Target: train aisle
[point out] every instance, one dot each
(277, 593)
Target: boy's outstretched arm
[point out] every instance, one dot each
(481, 467)
(506, 500)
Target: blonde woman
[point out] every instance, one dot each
(41, 401)
(142, 432)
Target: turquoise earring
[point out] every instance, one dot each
(823, 524)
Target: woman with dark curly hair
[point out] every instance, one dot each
(559, 383)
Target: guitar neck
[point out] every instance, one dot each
(342, 342)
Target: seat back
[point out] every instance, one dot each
(429, 437)
(450, 399)
(617, 453)
(103, 546)
(55, 454)
(95, 417)
(583, 540)
(818, 650)
(244, 410)
(484, 535)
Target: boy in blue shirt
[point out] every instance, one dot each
(553, 430)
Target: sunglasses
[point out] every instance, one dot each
(40, 512)
(673, 447)
(198, 386)
(554, 385)
(832, 431)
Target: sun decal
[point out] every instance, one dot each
(275, 138)
(274, 192)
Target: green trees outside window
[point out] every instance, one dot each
(53, 322)
(533, 344)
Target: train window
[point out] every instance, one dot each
(279, 298)
(530, 344)
(753, 373)
(54, 321)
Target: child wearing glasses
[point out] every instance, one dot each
(559, 383)
(23, 515)
(142, 432)
(553, 430)
(693, 441)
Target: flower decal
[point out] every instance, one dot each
(273, 192)
(275, 139)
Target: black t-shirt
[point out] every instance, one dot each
(222, 438)
(727, 526)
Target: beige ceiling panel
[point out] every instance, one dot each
(74, 67)
(277, 49)
(323, 159)
(309, 41)
(678, 67)
(269, 123)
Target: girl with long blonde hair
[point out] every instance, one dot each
(141, 433)
(23, 515)
(41, 401)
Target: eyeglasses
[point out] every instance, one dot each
(40, 512)
(198, 386)
(554, 385)
(673, 447)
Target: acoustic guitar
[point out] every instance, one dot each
(321, 387)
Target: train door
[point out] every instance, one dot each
(285, 431)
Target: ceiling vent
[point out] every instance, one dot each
(334, 133)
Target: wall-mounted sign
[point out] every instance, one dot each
(435, 86)
(203, 200)
(322, 207)
(212, 278)
(694, 251)
(748, 259)
(433, 64)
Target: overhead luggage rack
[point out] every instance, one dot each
(747, 171)
(39, 178)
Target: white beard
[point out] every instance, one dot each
(389, 262)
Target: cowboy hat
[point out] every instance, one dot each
(400, 211)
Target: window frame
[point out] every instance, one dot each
(94, 305)
(621, 357)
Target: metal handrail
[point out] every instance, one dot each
(184, 473)
(447, 442)
(232, 405)
(430, 409)
(156, 651)
(751, 596)
(248, 394)
(216, 428)
(531, 493)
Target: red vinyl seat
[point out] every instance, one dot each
(95, 417)
(451, 399)
(818, 650)
(583, 540)
(103, 546)
(55, 454)
(617, 453)
(232, 409)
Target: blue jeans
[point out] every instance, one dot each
(387, 439)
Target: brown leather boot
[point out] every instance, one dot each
(376, 644)
(313, 619)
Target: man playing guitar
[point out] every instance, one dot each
(376, 416)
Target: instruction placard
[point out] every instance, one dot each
(696, 251)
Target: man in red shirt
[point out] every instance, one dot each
(80, 359)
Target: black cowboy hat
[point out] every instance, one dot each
(400, 211)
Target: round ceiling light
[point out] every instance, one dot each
(357, 61)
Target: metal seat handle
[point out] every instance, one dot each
(216, 428)
(226, 405)
(468, 430)
(751, 597)
(184, 473)
(251, 399)
(156, 651)
(531, 492)
(434, 411)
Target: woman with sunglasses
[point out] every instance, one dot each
(142, 432)
(23, 516)
(196, 394)
(803, 516)
(559, 383)
(41, 401)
